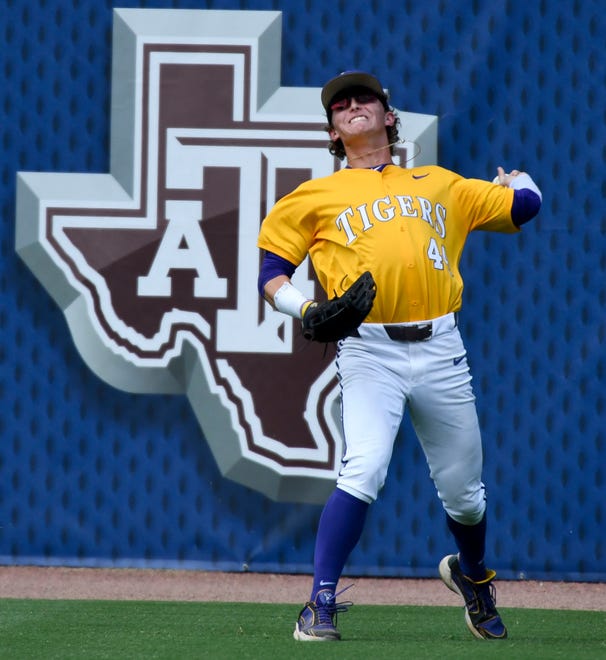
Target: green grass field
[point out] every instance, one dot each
(65, 629)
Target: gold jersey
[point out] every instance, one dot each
(407, 227)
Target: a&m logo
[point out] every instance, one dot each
(155, 264)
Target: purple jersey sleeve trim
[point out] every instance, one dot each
(271, 267)
(526, 204)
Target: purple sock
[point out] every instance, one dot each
(471, 542)
(339, 530)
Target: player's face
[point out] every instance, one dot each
(358, 114)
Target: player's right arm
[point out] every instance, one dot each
(271, 286)
(275, 286)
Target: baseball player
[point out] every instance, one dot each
(407, 227)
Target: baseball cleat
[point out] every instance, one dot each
(317, 620)
(481, 613)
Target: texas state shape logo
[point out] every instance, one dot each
(155, 264)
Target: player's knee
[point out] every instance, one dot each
(354, 492)
(469, 518)
(364, 484)
(466, 510)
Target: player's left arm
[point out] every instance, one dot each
(527, 197)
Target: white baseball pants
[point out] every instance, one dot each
(380, 379)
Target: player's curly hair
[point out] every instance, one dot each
(336, 148)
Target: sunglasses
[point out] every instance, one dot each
(344, 103)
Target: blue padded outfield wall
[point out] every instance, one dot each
(93, 475)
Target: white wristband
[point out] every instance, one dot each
(524, 180)
(289, 300)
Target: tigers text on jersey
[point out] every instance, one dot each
(406, 226)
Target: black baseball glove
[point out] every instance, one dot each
(338, 318)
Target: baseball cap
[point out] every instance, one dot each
(347, 80)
